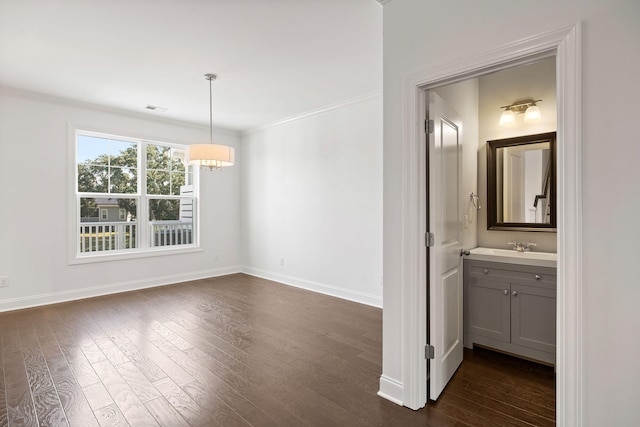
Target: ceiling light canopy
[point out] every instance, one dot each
(211, 155)
(529, 108)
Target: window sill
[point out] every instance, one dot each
(120, 256)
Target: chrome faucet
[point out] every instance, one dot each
(517, 246)
(522, 247)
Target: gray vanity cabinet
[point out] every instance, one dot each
(510, 307)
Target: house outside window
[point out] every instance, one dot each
(132, 196)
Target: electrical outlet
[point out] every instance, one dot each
(282, 261)
(4, 281)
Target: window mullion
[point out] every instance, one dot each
(143, 205)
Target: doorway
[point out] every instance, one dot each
(473, 107)
(564, 43)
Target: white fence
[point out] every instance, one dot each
(107, 236)
(170, 233)
(112, 236)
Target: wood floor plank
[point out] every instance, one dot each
(183, 403)
(45, 396)
(219, 412)
(315, 408)
(129, 404)
(80, 366)
(110, 416)
(20, 408)
(3, 394)
(164, 413)
(133, 353)
(252, 404)
(139, 384)
(169, 367)
(97, 396)
(72, 399)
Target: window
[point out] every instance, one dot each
(132, 195)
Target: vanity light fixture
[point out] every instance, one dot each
(529, 108)
(532, 113)
(211, 155)
(507, 117)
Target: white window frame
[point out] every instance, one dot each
(143, 249)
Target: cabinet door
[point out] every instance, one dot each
(488, 309)
(533, 317)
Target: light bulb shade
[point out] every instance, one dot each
(532, 113)
(212, 155)
(508, 117)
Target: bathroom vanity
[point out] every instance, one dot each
(510, 302)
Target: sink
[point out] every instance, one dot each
(541, 259)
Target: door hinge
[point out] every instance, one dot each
(429, 239)
(429, 352)
(428, 126)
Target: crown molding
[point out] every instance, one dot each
(69, 102)
(315, 112)
(382, 2)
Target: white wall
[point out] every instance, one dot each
(312, 196)
(413, 41)
(533, 81)
(34, 194)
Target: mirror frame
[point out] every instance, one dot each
(492, 170)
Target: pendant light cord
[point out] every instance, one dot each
(210, 112)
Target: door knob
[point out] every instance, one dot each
(537, 277)
(506, 292)
(514, 293)
(485, 271)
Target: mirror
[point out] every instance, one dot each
(521, 183)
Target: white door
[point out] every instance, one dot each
(445, 264)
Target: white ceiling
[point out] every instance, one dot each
(275, 59)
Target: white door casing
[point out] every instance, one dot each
(445, 222)
(565, 44)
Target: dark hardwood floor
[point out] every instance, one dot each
(235, 351)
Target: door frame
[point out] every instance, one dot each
(565, 45)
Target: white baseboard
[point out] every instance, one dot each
(335, 291)
(95, 291)
(391, 390)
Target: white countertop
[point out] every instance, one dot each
(540, 259)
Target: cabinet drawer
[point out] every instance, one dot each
(541, 276)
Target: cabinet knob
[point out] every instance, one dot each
(537, 277)
(485, 271)
(514, 293)
(506, 292)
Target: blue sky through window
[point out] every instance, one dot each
(90, 147)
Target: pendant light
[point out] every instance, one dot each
(211, 155)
